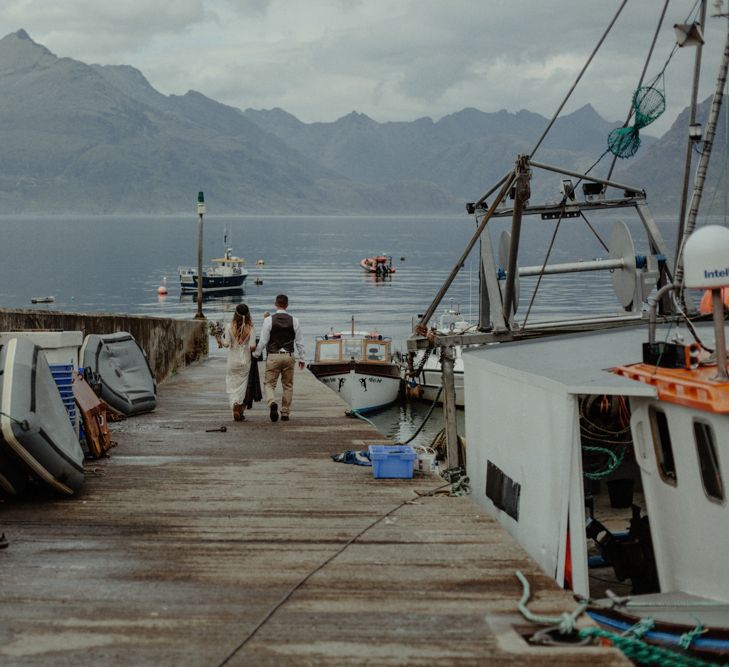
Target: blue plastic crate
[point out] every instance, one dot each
(63, 376)
(392, 461)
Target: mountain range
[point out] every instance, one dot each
(100, 139)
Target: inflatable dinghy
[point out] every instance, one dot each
(125, 380)
(34, 427)
(13, 477)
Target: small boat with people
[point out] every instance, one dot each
(358, 365)
(226, 273)
(379, 265)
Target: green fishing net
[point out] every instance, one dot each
(649, 102)
(624, 141)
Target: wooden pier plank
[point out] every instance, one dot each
(182, 542)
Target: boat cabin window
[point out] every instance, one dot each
(376, 351)
(663, 446)
(328, 350)
(708, 461)
(352, 348)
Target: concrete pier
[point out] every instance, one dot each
(251, 547)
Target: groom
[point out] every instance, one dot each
(279, 334)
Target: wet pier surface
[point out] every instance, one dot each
(251, 547)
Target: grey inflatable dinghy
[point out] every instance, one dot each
(125, 380)
(34, 425)
(13, 477)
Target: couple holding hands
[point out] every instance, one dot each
(284, 345)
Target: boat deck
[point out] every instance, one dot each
(189, 547)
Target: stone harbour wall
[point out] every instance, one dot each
(170, 344)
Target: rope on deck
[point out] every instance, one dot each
(320, 567)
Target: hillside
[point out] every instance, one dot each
(100, 139)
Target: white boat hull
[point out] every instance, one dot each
(362, 391)
(431, 378)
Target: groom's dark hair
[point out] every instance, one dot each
(282, 301)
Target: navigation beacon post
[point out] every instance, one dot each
(200, 212)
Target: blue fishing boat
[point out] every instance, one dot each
(227, 273)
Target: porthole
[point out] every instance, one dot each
(662, 445)
(708, 461)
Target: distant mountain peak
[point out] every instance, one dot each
(18, 51)
(354, 117)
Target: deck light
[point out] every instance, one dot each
(568, 189)
(593, 191)
(695, 132)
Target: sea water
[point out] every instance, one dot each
(116, 263)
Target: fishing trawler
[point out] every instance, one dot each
(358, 365)
(225, 275)
(558, 412)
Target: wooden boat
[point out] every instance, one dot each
(125, 380)
(34, 425)
(359, 367)
(380, 265)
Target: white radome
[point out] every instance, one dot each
(706, 258)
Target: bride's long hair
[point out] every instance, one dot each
(240, 327)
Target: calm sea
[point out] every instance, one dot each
(116, 263)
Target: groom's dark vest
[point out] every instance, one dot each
(282, 333)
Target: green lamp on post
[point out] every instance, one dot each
(200, 212)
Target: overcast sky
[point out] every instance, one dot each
(389, 59)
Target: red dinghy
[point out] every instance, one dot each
(380, 265)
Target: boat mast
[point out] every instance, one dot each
(703, 165)
(690, 140)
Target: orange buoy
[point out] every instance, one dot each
(705, 305)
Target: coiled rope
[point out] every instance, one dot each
(632, 647)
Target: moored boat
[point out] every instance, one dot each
(556, 411)
(35, 432)
(225, 275)
(424, 378)
(359, 367)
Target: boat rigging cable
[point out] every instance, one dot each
(647, 104)
(642, 76)
(579, 76)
